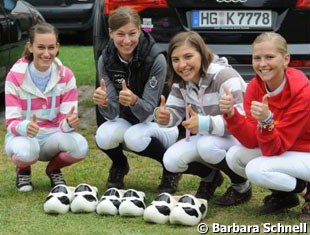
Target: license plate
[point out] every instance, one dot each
(231, 19)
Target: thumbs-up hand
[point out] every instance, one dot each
(100, 96)
(162, 114)
(124, 86)
(126, 96)
(191, 123)
(260, 110)
(226, 102)
(72, 118)
(32, 127)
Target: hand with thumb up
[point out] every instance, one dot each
(32, 127)
(126, 96)
(100, 96)
(226, 103)
(191, 123)
(260, 110)
(72, 118)
(162, 114)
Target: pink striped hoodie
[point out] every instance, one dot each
(23, 99)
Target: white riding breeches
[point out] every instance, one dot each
(27, 149)
(136, 137)
(206, 149)
(273, 172)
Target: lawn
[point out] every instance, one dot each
(22, 213)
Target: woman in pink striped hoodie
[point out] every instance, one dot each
(41, 100)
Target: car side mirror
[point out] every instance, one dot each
(9, 5)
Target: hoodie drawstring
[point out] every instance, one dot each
(53, 106)
(28, 113)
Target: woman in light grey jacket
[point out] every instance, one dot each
(199, 78)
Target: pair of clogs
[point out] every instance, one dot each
(181, 210)
(79, 199)
(123, 202)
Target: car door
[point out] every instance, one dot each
(4, 49)
(11, 43)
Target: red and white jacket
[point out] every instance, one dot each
(291, 110)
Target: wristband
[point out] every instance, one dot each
(268, 119)
(268, 123)
(203, 124)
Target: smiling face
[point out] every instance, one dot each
(44, 49)
(186, 62)
(269, 64)
(126, 39)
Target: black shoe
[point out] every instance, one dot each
(207, 189)
(169, 183)
(56, 177)
(278, 202)
(116, 176)
(305, 213)
(23, 180)
(232, 197)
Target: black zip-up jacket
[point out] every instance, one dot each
(145, 75)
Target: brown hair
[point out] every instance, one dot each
(122, 16)
(195, 40)
(278, 41)
(41, 28)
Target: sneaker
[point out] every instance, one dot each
(56, 177)
(207, 189)
(305, 213)
(232, 197)
(278, 202)
(169, 183)
(23, 180)
(116, 176)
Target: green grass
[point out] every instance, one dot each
(81, 60)
(22, 213)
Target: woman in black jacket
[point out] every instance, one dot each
(132, 73)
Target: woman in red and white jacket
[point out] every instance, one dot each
(41, 110)
(275, 131)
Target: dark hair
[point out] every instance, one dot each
(195, 40)
(40, 28)
(122, 16)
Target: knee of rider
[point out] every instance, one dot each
(82, 154)
(211, 154)
(232, 159)
(171, 163)
(255, 173)
(81, 150)
(26, 156)
(106, 142)
(136, 142)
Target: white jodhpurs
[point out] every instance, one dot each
(206, 149)
(26, 149)
(110, 134)
(139, 136)
(135, 138)
(212, 149)
(272, 172)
